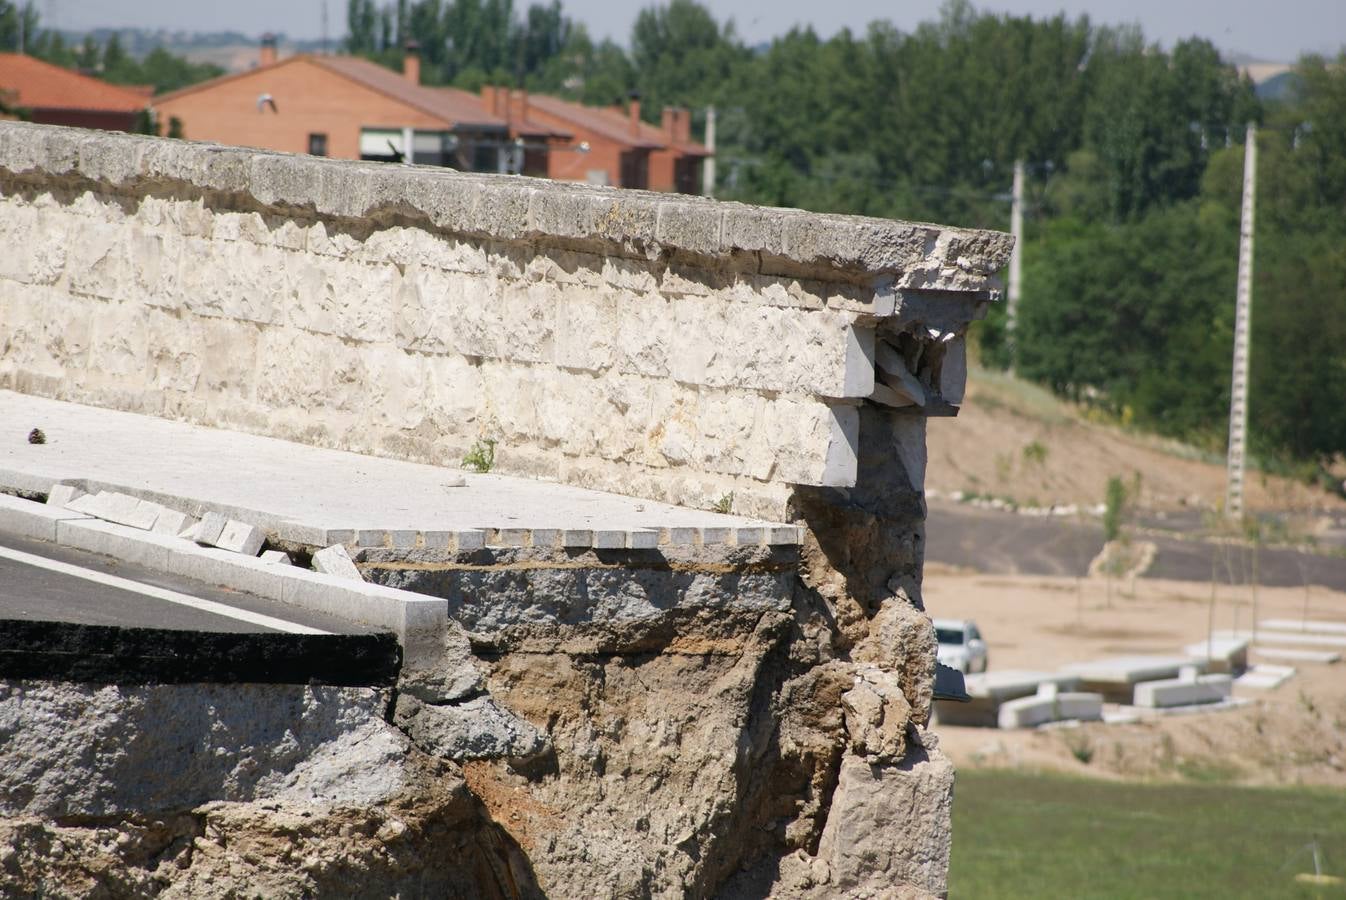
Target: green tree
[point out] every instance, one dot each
(19, 22)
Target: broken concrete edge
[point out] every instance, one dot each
(420, 622)
(511, 208)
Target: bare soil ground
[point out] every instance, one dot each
(1293, 734)
(1015, 440)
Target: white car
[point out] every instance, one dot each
(960, 645)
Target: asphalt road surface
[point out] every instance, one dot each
(998, 542)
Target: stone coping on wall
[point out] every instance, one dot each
(899, 254)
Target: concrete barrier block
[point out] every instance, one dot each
(1183, 691)
(1051, 706)
(609, 540)
(577, 538)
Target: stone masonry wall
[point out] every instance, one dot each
(677, 349)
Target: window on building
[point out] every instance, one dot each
(317, 144)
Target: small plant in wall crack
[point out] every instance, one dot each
(481, 458)
(725, 503)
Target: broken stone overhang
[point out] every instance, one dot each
(757, 334)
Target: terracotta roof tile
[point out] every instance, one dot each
(611, 124)
(454, 106)
(41, 85)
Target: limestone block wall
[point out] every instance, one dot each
(675, 348)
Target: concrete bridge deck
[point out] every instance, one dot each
(319, 497)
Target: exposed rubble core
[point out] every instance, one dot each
(687, 719)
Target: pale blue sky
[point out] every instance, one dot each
(1268, 29)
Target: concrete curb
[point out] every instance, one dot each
(420, 622)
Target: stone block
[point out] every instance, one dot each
(145, 515)
(209, 529)
(275, 557)
(240, 537)
(643, 539)
(172, 522)
(122, 509)
(609, 540)
(61, 494)
(335, 561)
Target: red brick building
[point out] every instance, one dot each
(55, 96)
(345, 107)
(613, 146)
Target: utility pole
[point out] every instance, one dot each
(1238, 393)
(1016, 258)
(324, 26)
(708, 167)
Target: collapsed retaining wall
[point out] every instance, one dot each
(727, 721)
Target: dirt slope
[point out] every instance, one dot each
(1015, 440)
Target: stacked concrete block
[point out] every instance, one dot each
(1188, 689)
(675, 348)
(1048, 705)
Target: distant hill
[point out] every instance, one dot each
(231, 50)
(1278, 87)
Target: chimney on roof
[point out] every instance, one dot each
(677, 124)
(411, 62)
(488, 98)
(517, 113)
(633, 108)
(267, 56)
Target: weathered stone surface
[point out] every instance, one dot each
(889, 827)
(74, 749)
(451, 676)
(477, 728)
(877, 716)
(430, 839)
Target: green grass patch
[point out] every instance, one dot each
(1046, 836)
